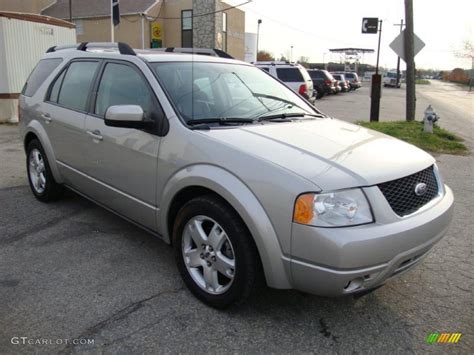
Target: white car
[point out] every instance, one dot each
(293, 75)
(390, 79)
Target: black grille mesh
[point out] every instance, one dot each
(400, 193)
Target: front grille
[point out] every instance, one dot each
(401, 195)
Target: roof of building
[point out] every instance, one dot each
(96, 8)
(36, 18)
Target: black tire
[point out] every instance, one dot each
(248, 274)
(52, 190)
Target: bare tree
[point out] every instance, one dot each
(467, 52)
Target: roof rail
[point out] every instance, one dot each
(203, 51)
(122, 47)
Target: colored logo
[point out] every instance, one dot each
(420, 189)
(451, 338)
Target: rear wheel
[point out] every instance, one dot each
(40, 178)
(215, 253)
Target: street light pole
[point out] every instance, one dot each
(291, 54)
(70, 10)
(258, 33)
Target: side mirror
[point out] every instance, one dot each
(127, 116)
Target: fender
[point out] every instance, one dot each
(35, 127)
(242, 199)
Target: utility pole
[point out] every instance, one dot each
(70, 10)
(258, 33)
(410, 61)
(398, 60)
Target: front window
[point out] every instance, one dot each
(216, 90)
(187, 28)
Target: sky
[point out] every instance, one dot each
(314, 26)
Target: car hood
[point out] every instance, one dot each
(330, 153)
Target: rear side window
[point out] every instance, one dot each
(37, 77)
(350, 76)
(316, 74)
(53, 97)
(76, 85)
(289, 75)
(123, 85)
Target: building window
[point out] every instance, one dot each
(187, 28)
(79, 27)
(224, 32)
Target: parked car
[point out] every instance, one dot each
(353, 79)
(323, 80)
(390, 79)
(293, 75)
(247, 180)
(343, 83)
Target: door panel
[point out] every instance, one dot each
(122, 166)
(63, 113)
(122, 162)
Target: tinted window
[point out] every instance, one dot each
(122, 85)
(289, 75)
(266, 69)
(42, 70)
(76, 85)
(56, 86)
(350, 76)
(316, 74)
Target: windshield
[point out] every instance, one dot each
(223, 90)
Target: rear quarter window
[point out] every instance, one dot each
(290, 75)
(39, 74)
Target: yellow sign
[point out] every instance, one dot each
(156, 31)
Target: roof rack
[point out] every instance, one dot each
(122, 47)
(203, 51)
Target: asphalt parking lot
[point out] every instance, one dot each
(71, 270)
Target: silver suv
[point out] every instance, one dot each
(245, 179)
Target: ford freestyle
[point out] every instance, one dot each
(245, 179)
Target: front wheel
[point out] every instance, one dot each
(215, 253)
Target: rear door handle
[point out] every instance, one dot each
(95, 135)
(46, 117)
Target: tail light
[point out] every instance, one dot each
(303, 89)
(327, 82)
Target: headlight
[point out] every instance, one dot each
(333, 209)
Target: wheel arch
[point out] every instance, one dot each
(205, 179)
(36, 131)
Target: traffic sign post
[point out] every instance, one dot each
(373, 25)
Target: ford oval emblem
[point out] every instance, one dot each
(420, 189)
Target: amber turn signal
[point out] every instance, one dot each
(304, 209)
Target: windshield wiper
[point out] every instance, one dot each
(288, 115)
(220, 120)
(271, 97)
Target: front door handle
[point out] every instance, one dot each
(95, 135)
(46, 117)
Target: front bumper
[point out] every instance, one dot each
(338, 261)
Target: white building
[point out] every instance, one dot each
(24, 38)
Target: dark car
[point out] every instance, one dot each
(343, 82)
(323, 82)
